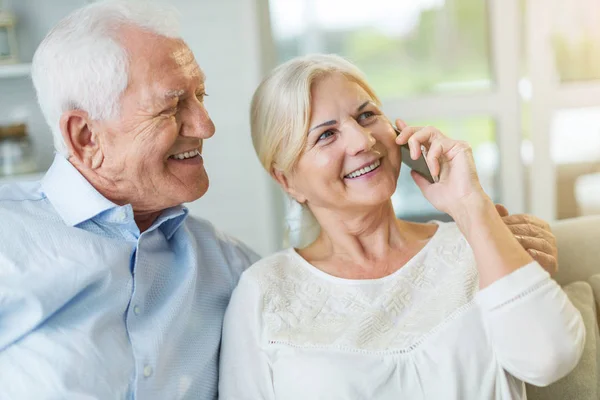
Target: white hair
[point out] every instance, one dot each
(80, 64)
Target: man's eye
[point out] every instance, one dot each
(325, 135)
(365, 116)
(201, 96)
(170, 111)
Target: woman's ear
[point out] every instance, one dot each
(287, 185)
(83, 145)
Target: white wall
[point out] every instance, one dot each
(225, 37)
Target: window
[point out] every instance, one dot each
(575, 39)
(404, 47)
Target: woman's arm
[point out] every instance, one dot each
(244, 371)
(459, 194)
(497, 252)
(536, 332)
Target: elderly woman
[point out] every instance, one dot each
(376, 307)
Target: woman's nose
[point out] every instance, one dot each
(359, 139)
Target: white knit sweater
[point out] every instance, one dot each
(425, 332)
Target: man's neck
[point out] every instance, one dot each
(145, 220)
(110, 190)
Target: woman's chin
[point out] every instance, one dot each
(376, 194)
(374, 199)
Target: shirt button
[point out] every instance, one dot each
(147, 371)
(136, 310)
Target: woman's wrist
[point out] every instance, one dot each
(473, 210)
(496, 250)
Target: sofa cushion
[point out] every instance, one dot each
(582, 382)
(594, 282)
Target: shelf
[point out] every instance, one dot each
(14, 70)
(21, 178)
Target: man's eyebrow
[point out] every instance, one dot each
(171, 94)
(174, 93)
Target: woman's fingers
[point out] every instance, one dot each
(438, 146)
(429, 138)
(433, 157)
(423, 137)
(406, 133)
(400, 124)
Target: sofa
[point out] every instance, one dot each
(578, 273)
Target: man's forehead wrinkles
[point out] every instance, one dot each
(183, 56)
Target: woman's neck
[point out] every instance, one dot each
(364, 237)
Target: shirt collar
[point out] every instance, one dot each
(71, 195)
(171, 219)
(77, 201)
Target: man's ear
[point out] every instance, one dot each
(287, 185)
(83, 145)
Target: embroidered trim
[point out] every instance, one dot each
(303, 309)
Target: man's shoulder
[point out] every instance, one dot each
(205, 230)
(23, 204)
(12, 193)
(215, 241)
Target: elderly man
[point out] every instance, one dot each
(108, 289)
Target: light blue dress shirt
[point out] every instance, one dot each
(92, 309)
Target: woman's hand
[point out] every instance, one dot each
(452, 161)
(458, 193)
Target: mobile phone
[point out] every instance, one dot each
(419, 165)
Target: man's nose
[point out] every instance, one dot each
(197, 123)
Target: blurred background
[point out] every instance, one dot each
(518, 79)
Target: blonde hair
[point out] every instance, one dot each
(281, 106)
(279, 121)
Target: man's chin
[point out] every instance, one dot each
(199, 191)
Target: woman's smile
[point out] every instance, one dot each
(366, 171)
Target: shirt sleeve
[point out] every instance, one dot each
(537, 333)
(245, 371)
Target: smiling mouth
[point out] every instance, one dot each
(364, 170)
(185, 155)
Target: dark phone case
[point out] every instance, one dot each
(419, 165)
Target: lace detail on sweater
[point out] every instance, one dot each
(302, 308)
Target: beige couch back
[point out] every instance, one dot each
(578, 261)
(578, 248)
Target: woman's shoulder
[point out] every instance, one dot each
(446, 245)
(277, 266)
(447, 231)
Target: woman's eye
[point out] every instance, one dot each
(365, 116)
(201, 96)
(325, 135)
